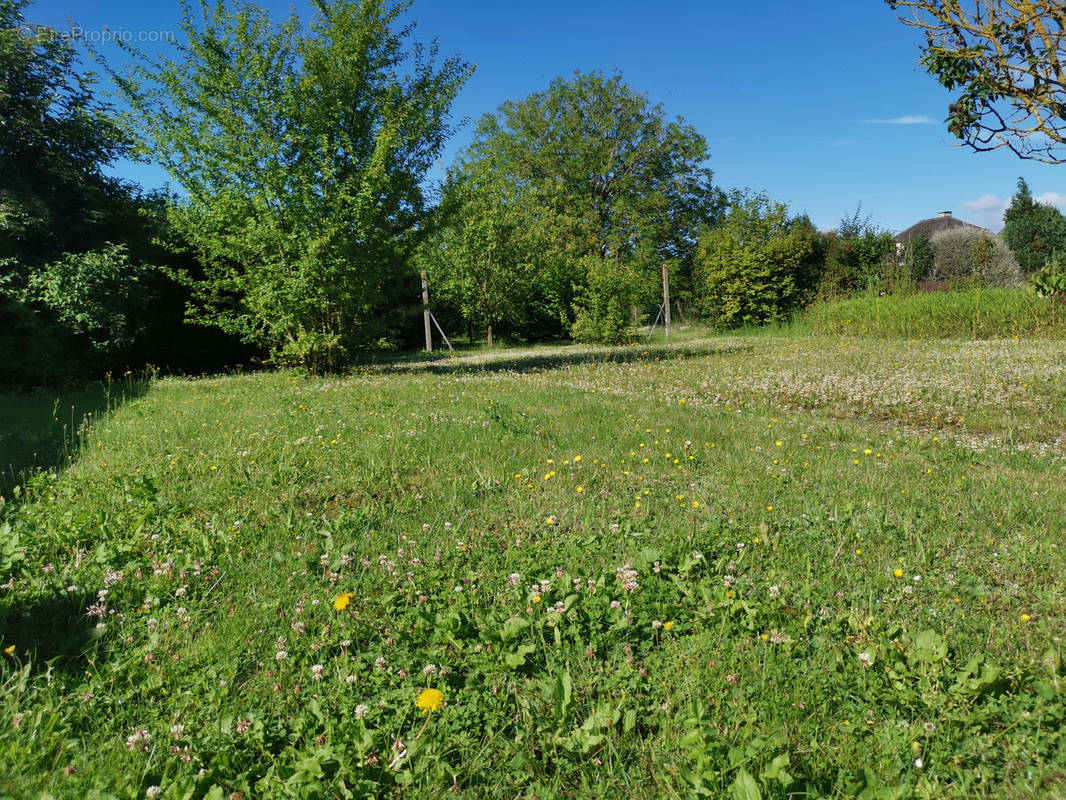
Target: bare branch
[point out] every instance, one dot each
(1005, 59)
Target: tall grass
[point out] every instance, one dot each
(979, 313)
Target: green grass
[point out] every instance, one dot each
(41, 430)
(485, 514)
(971, 313)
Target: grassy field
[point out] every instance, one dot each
(974, 313)
(732, 567)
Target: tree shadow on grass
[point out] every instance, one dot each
(52, 633)
(43, 429)
(550, 358)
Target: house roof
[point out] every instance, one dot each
(934, 225)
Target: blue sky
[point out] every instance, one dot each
(820, 104)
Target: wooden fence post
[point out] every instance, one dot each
(425, 312)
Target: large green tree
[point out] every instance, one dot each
(300, 150)
(1006, 59)
(1033, 231)
(620, 188)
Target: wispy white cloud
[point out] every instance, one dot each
(986, 211)
(910, 119)
(907, 120)
(1052, 199)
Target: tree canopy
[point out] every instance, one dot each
(1033, 231)
(1007, 61)
(300, 150)
(619, 186)
(55, 139)
(75, 294)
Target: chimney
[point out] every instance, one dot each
(944, 214)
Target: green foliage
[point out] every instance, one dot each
(1033, 231)
(1051, 280)
(603, 307)
(95, 293)
(757, 265)
(482, 254)
(975, 312)
(608, 177)
(967, 255)
(855, 257)
(1004, 62)
(71, 304)
(54, 142)
(300, 149)
(11, 551)
(918, 259)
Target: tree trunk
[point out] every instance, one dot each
(490, 336)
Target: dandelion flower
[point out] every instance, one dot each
(10, 650)
(430, 700)
(898, 573)
(343, 600)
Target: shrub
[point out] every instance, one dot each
(965, 256)
(97, 294)
(755, 267)
(603, 308)
(857, 256)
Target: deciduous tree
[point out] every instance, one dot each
(300, 150)
(1006, 59)
(481, 253)
(620, 187)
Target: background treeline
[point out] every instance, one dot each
(300, 222)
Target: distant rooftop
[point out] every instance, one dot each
(943, 221)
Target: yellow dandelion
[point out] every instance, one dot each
(1026, 618)
(898, 573)
(430, 700)
(10, 650)
(668, 626)
(343, 600)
